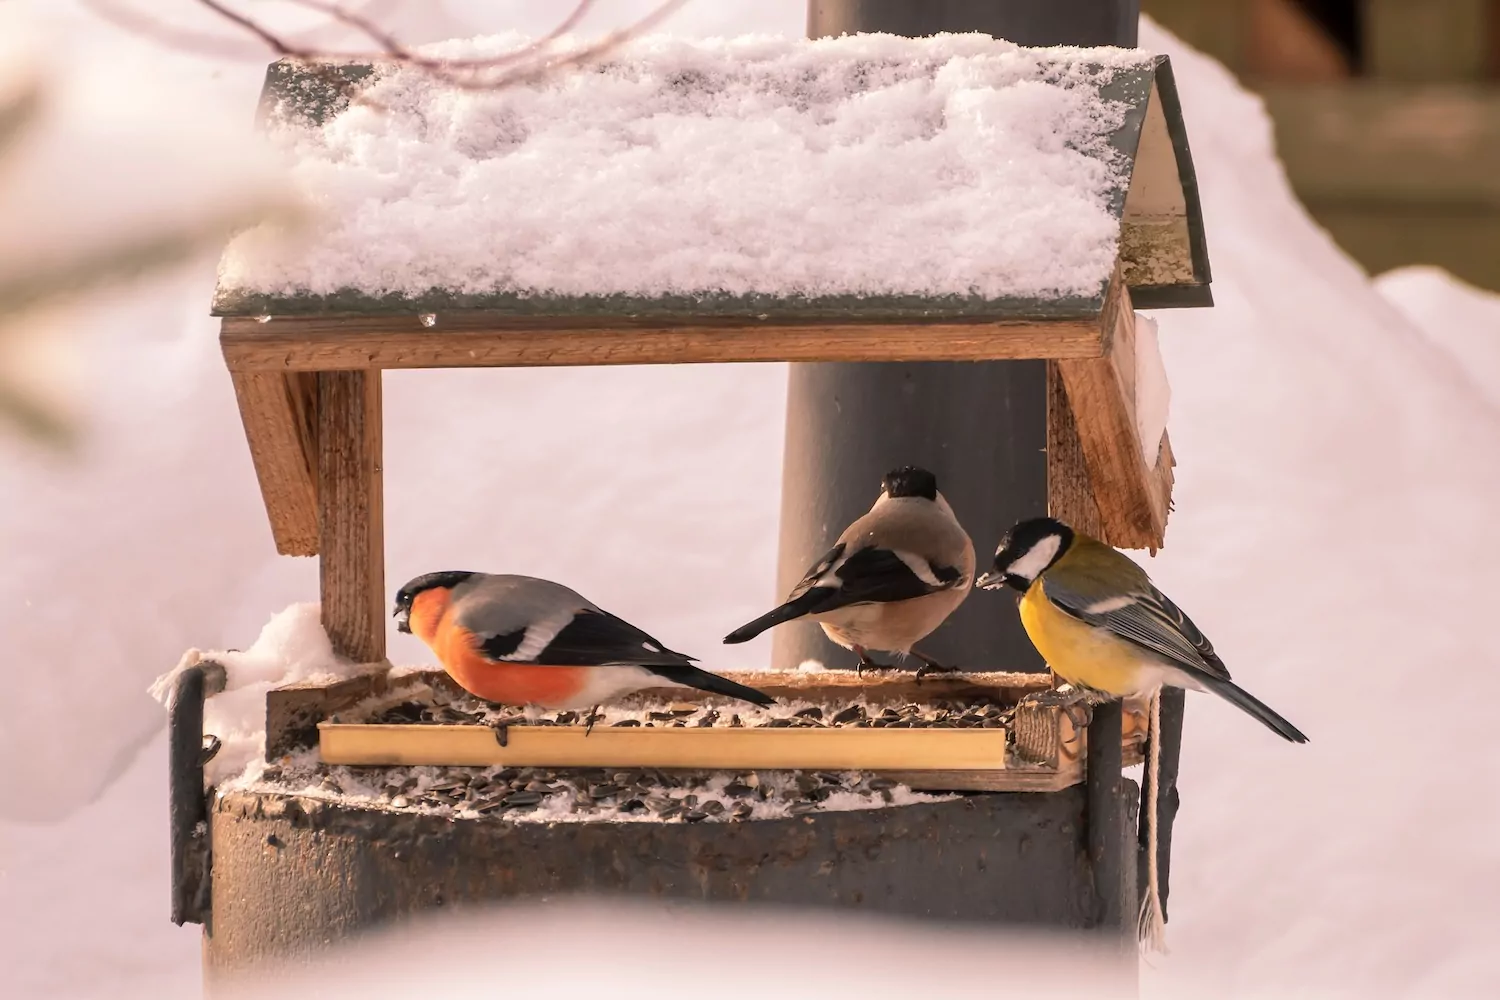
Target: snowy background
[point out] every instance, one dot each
(1337, 441)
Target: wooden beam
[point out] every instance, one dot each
(279, 413)
(1427, 40)
(351, 515)
(1133, 500)
(480, 340)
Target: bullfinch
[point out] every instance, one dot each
(519, 640)
(892, 577)
(1101, 624)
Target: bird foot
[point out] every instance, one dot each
(502, 733)
(593, 718)
(1066, 696)
(930, 666)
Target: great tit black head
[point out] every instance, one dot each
(427, 581)
(1026, 552)
(909, 481)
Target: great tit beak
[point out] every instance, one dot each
(993, 580)
(403, 620)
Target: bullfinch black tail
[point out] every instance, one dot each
(1251, 705)
(788, 611)
(712, 683)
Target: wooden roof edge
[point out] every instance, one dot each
(625, 310)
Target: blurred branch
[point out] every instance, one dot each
(526, 63)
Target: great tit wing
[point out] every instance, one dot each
(1145, 617)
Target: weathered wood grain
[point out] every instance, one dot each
(278, 411)
(470, 340)
(351, 513)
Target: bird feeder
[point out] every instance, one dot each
(306, 334)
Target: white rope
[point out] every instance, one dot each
(1152, 929)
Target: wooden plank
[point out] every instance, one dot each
(1427, 40)
(351, 513)
(470, 340)
(1133, 504)
(277, 411)
(1371, 142)
(716, 748)
(294, 711)
(1070, 493)
(1462, 239)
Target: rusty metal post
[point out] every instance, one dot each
(187, 802)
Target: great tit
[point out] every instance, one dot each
(892, 578)
(523, 641)
(1100, 623)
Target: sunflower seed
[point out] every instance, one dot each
(737, 790)
(524, 798)
(625, 724)
(810, 713)
(712, 808)
(604, 791)
(741, 810)
(880, 783)
(695, 816)
(848, 715)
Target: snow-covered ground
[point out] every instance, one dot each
(1336, 441)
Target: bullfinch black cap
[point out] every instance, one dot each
(910, 481)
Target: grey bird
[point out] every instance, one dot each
(520, 640)
(893, 577)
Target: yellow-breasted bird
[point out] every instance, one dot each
(1101, 624)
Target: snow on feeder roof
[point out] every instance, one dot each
(868, 178)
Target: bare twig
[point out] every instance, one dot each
(521, 65)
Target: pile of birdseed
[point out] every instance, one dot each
(535, 794)
(463, 710)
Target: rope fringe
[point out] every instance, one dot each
(1151, 929)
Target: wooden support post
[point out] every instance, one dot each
(1172, 704)
(1133, 499)
(279, 412)
(351, 513)
(1114, 891)
(1070, 493)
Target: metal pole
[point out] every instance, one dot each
(981, 427)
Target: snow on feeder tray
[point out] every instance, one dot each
(688, 202)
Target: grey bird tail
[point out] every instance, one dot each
(712, 683)
(1247, 702)
(788, 611)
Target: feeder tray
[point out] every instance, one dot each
(1037, 746)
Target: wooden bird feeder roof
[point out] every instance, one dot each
(868, 198)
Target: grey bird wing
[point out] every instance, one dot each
(1142, 615)
(901, 549)
(521, 619)
(877, 575)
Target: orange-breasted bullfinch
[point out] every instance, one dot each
(892, 577)
(1101, 624)
(519, 640)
